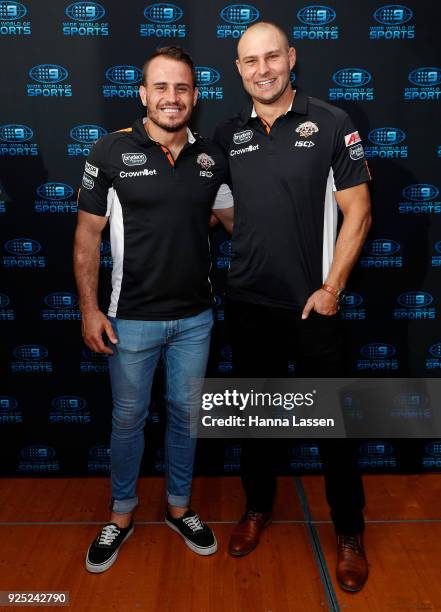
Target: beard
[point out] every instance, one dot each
(153, 115)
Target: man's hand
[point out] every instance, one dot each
(321, 301)
(94, 324)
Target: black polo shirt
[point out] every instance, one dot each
(285, 210)
(159, 215)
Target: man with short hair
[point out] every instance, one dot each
(293, 158)
(156, 182)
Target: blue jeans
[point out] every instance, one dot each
(184, 345)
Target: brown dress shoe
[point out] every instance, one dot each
(352, 565)
(245, 536)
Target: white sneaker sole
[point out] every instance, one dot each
(200, 550)
(102, 567)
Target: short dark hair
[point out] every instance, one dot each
(173, 52)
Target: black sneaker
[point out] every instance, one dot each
(197, 535)
(103, 551)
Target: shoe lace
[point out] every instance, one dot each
(350, 542)
(194, 522)
(108, 535)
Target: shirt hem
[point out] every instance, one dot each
(354, 183)
(92, 210)
(155, 316)
(263, 301)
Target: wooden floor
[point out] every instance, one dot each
(46, 526)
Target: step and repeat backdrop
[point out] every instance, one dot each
(71, 72)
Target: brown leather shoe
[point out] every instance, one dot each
(352, 565)
(245, 536)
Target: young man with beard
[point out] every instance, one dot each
(293, 159)
(156, 182)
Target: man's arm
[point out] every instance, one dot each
(86, 269)
(223, 208)
(354, 203)
(225, 216)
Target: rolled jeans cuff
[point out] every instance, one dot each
(123, 506)
(180, 501)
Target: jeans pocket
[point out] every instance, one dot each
(134, 335)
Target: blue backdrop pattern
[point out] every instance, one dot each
(71, 72)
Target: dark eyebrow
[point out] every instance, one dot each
(177, 84)
(247, 57)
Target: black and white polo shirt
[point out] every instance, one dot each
(283, 181)
(159, 211)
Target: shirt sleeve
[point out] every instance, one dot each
(96, 190)
(224, 198)
(349, 164)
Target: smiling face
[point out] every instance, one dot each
(168, 94)
(264, 62)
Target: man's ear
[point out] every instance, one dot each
(292, 57)
(238, 66)
(195, 96)
(143, 95)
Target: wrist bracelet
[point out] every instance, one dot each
(335, 292)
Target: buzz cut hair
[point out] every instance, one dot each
(271, 24)
(174, 52)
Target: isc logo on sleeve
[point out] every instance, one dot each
(93, 170)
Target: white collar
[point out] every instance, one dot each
(254, 114)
